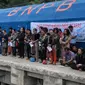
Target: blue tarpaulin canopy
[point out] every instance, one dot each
(67, 10)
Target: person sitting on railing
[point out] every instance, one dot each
(68, 57)
(79, 61)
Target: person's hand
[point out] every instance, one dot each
(74, 61)
(79, 65)
(25, 41)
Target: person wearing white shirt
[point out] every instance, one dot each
(73, 36)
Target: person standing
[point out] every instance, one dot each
(43, 42)
(21, 37)
(27, 40)
(65, 40)
(55, 43)
(1, 36)
(73, 36)
(5, 43)
(13, 39)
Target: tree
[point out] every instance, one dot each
(13, 3)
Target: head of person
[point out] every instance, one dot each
(67, 50)
(40, 28)
(10, 29)
(70, 28)
(80, 51)
(44, 31)
(18, 31)
(13, 31)
(55, 30)
(28, 32)
(66, 32)
(4, 31)
(22, 29)
(60, 31)
(51, 32)
(74, 48)
(34, 31)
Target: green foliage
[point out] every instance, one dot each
(13, 3)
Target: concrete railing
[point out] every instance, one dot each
(14, 71)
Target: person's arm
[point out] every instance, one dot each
(70, 60)
(74, 35)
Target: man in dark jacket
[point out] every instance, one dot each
(21, 42)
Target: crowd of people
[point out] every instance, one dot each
(53, 45)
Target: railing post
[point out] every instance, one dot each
(51, 81)
(2, 83)
(17, 76)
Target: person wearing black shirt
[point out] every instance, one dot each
(79, 61)
(21, 37)
(35, 35)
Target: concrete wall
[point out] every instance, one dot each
(20, 72)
